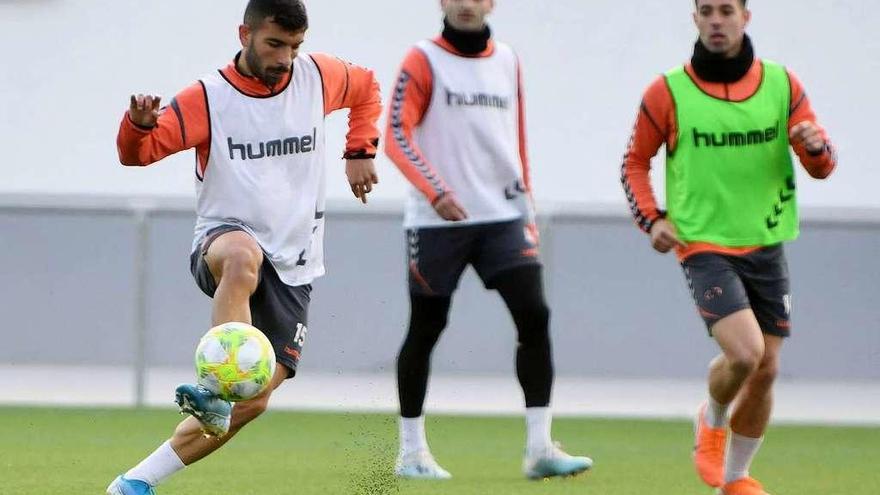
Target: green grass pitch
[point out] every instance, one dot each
(78, 452)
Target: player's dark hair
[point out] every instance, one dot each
(743, 2)
(289, 14)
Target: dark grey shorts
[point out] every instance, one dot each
(722, 285)
(439, 255)
(279, 310)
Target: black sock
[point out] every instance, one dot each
(428, 316)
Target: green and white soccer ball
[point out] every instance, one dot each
(235, 361)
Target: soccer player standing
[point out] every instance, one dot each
(728, 119)
(456, 131)
(257, 126)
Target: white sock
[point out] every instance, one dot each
(716, 414)
(740, 452)
(412, 435)
(538, 429)
(158, 466)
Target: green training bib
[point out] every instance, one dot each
(730, 180)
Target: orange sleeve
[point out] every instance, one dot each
(349, 86)
(409, 102)
(182, 124)
(524, 153)
(655, 126)
(523, 144)
(818, 165)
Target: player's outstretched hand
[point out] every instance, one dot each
(664, 237)
(144, 109)
(808, 134)
(448, 208)
(361, 175)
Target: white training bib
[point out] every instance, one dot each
(265, 170)
(470, 135)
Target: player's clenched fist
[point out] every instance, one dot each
(144, 110)
(664, 237)
(808, 134)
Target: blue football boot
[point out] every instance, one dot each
(553, 461)
(212, 412)
(123, 486)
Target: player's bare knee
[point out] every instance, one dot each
(241, 267)
(744, 363)
(243, 256)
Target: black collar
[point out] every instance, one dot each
(467, 42)
(714, 67)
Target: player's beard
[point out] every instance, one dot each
(269, 76)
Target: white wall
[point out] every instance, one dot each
(69, 66)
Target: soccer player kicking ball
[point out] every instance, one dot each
(727, 120)
(257, 126)
(456, 131)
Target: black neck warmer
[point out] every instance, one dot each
(714, 67)
(467, 42)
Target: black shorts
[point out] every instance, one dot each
(279, 310)
(439, 255)
(722, 285)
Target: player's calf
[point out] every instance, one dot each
(246, 411)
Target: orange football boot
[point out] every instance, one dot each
(743, 486)
(709, 446)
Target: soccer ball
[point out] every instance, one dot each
(235, 361)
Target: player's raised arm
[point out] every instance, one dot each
(149, 132)
(809, 139)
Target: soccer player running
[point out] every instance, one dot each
(727, 119)
(456, 131)
(257, 127)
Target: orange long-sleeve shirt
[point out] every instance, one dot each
(656, 126)
(185, 122)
